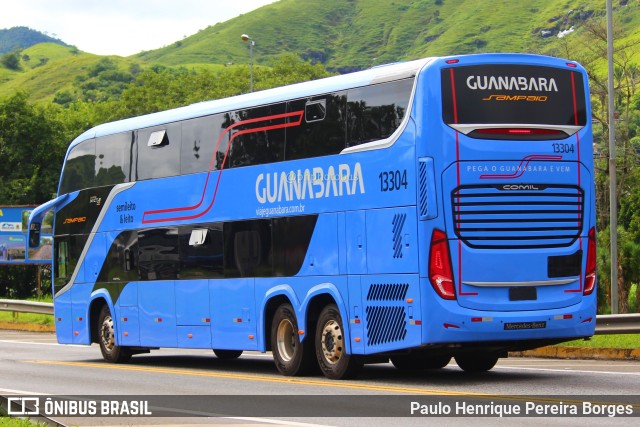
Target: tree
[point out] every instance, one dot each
(31, 151)
(626, 79)
(10, 61)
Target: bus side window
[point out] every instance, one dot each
(158, 254)
(158, 151)
(259, 141)
(201, 251)
(248, 249)
(113, 158)
(121, 261)
(323, 130)
(199, 140)
(314, 111)
(375, 112)
(79, 168)
(291, 239)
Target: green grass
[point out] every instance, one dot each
(36, 319)
(14, 422)
(607, 341)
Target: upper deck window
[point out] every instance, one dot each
(79, 169)
(113, 158)
(159, 151)
(375, 112)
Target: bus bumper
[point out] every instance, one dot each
(448, 322)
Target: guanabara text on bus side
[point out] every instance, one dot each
(413, 212)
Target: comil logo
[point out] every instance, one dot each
(521, 187)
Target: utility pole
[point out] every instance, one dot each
(246, 38)
(613, 200)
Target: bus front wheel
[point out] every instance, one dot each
(476, 362)
(291, 356)
(333, 359)
(111, 352)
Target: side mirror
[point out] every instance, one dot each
(34, 234)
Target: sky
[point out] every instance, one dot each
(121, 27)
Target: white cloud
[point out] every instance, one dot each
(122, 27)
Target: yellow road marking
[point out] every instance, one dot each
(281, 380)
(321, 383)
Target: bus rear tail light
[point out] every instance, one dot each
(535, 134)
(590, 277)
(440, 270)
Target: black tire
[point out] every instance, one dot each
(227, 354)
(291, 356)
(476, 362)
(333, 360)
(111, 352)
(413, 362)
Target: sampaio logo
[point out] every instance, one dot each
(76, 220)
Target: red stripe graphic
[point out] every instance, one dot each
(197, 213)
(580, 220)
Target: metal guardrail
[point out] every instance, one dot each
(26, 306)
(610, 324)
(606, 324)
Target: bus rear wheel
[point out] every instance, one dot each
(111, 352)
(333, 359)
(291, 356)
(476, 362)
(413, 362)
(227, 354)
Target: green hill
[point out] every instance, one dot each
(354, 34)
(344, 35)
(47, 68)
(22, 37)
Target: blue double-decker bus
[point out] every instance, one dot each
(415, 212)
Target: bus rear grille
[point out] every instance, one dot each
(385, 324)
(517, 216)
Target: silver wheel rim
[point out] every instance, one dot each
(106, 334)
(332, 342)
(286, 340)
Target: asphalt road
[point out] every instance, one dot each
(32, 363)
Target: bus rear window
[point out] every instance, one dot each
(532, 97)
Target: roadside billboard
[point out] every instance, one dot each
(14, 237)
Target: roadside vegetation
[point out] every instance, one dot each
(15, 422)
(607, 341)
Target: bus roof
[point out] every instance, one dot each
(373, 75)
